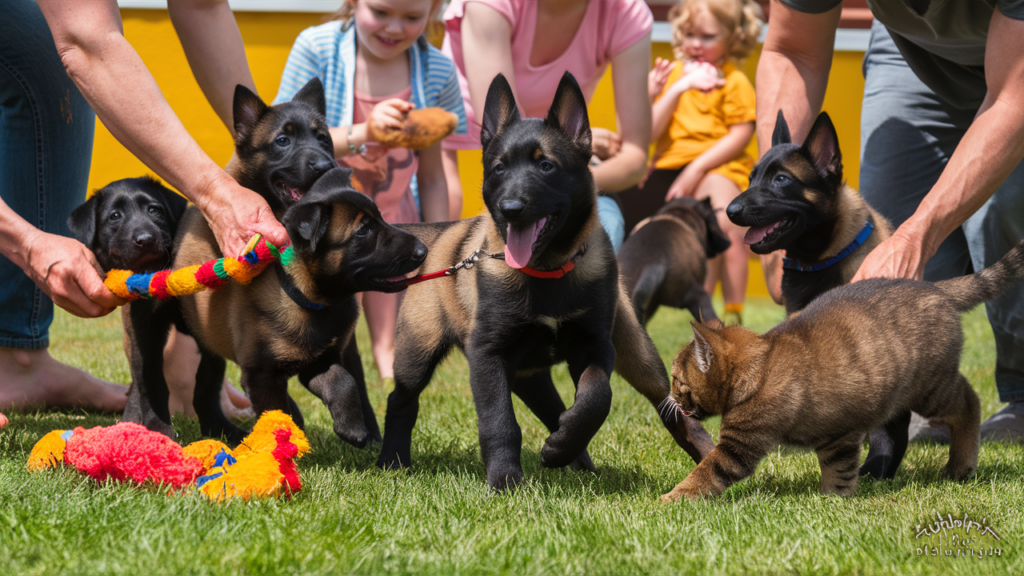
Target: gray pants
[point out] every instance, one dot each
(907, 136)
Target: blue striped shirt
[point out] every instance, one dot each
(330, 53)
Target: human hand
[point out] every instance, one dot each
(898, 256)
(236, 214)
(700, 76)
(685, 184)
(657, 77)
(386, 115)
(604, 142)
(69, 274)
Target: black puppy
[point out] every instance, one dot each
(546, 290)
(129, 224)
(798, 202)
(665, 259)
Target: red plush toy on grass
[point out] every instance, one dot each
(262, 465)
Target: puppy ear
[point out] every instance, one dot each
(823, 145)
(313, 94)
(568, 112)
(82, 222)
(781, 133)
(307, 223)
(500, 110)
(702, 352)
(247, 110)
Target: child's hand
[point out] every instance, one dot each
(388, 114)
(657, 76)
(604, 142)
(685, 184)
(700, 76)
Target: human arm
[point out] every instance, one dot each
(991, 148)
(727, 148)
(486, 52)
(113, 79)
(205, 28)
(62, 267)
(433, 187)
(633, 113)
(793, 69)
(792, 74)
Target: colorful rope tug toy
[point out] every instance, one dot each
(263, 465)
(211, 274)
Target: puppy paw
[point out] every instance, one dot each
(506, 480)
(958, 473)
(391, 462)
(357, 436)
(583, 463)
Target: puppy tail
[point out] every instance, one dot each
(646, 286)
(966, 292)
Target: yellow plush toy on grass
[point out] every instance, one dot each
(262, 465)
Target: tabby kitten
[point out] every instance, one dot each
(853, 358)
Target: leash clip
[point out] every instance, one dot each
(470, 260)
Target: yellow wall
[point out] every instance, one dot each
(268, 37)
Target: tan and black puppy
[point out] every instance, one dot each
(798, 202)
(546, 290)
(296, 318)
(852, 359)
(280, 151)
(665, 259)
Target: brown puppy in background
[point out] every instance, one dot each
(665, 259)
(798, 202)
(824, 378)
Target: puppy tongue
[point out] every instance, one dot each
(757, 233)
(519, 247)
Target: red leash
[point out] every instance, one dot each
(475, 257)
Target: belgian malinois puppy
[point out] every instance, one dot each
(294, 319)
(665, 259)
(798, 202)
(280, 151)
(546, 290)
(852, 359)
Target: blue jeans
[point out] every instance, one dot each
(907, 136)
(611, 220)
(46, 134)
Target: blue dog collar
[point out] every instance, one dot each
(794, 264)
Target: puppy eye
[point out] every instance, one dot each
(282, 140)
(114, 216)
(499, 168)
(154, 210)
(547, 165)
(781, 178)
(365, 229)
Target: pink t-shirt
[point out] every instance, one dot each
(384, 174)
(608, 27)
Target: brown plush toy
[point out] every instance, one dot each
(421, 129)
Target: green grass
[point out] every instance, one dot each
(440, 518)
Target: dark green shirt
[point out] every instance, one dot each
(943, 41)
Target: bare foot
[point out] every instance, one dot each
(181, 361)
(34, 379)
(3, 421)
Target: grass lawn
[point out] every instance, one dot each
(440, 517)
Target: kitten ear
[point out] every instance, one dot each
(701, 348)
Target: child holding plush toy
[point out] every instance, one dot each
(377, 67)
(703, 119)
